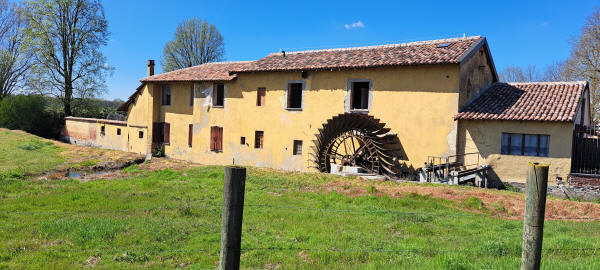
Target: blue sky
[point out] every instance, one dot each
(519, 32)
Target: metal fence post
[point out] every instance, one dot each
(535, 208)
(231, 220)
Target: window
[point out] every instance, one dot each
(216, 139)
(242, 140)
(258, 139)
(192, 96)
(359, 96)
(166, 95)
(218, 97)
(118, 131)
(294, 96)
(260, 96)
(102, 130)
(190, 134)
(162, 133)
(297, 147)
(525, 144)
(141, 134)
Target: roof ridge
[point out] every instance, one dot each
(546, 82)
(405, 44)
(196, 66)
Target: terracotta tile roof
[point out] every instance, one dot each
(218, 71)
(538, 101)
(414, 53)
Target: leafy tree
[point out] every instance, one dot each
(29, 113)
(196, 42)
(15, 60)
(66, 39)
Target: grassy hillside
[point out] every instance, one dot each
(166, 218)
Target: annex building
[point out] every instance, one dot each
(388, 110)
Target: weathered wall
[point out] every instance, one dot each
(179, 116)
(417, 102)
(475, 74)
(485, 137)
(88, 131)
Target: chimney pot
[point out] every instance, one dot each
(150, 68)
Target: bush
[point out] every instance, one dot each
(29, 113)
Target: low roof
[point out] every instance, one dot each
(216, 71)
(442, 51)
(536, 101)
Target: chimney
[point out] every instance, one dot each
(150, 68)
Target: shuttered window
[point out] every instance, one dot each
(190, 134)
(258, 139)
(161, 133)
(260, 96)
(216, 139)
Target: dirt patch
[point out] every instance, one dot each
(502, 204)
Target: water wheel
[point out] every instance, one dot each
(356, 140)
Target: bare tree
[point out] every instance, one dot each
(518, 74)
(196, 42)
(66, 39)
(584, 61)
(14, 58)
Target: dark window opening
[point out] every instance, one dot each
(216, 139)
(297, 147)
(162, 133)
(360, 96)
(141, 134)
(525, 144)
(260, 96)
(190, 134)
(218, 95)
(258, 139)
(242, 140)
(294, 96)
(102, 130)
(166, 95)
(118, 131)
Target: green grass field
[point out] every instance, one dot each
(171, 218)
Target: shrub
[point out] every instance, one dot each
(29, 113)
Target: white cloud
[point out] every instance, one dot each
(544, 23)
(357, 24)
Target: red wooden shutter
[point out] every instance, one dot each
(167, 138)
(213, 138)
(220, 139)
(190, 134)
(260, 96)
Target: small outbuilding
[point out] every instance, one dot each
(509, 124)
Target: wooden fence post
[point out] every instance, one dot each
(535, 208)
(231, 220)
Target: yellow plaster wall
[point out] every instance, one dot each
(485, 137)
(179, 116)
(139, 118)
(111, 140)
(80, 132)
(417, 102)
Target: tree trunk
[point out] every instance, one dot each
(67, 98)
